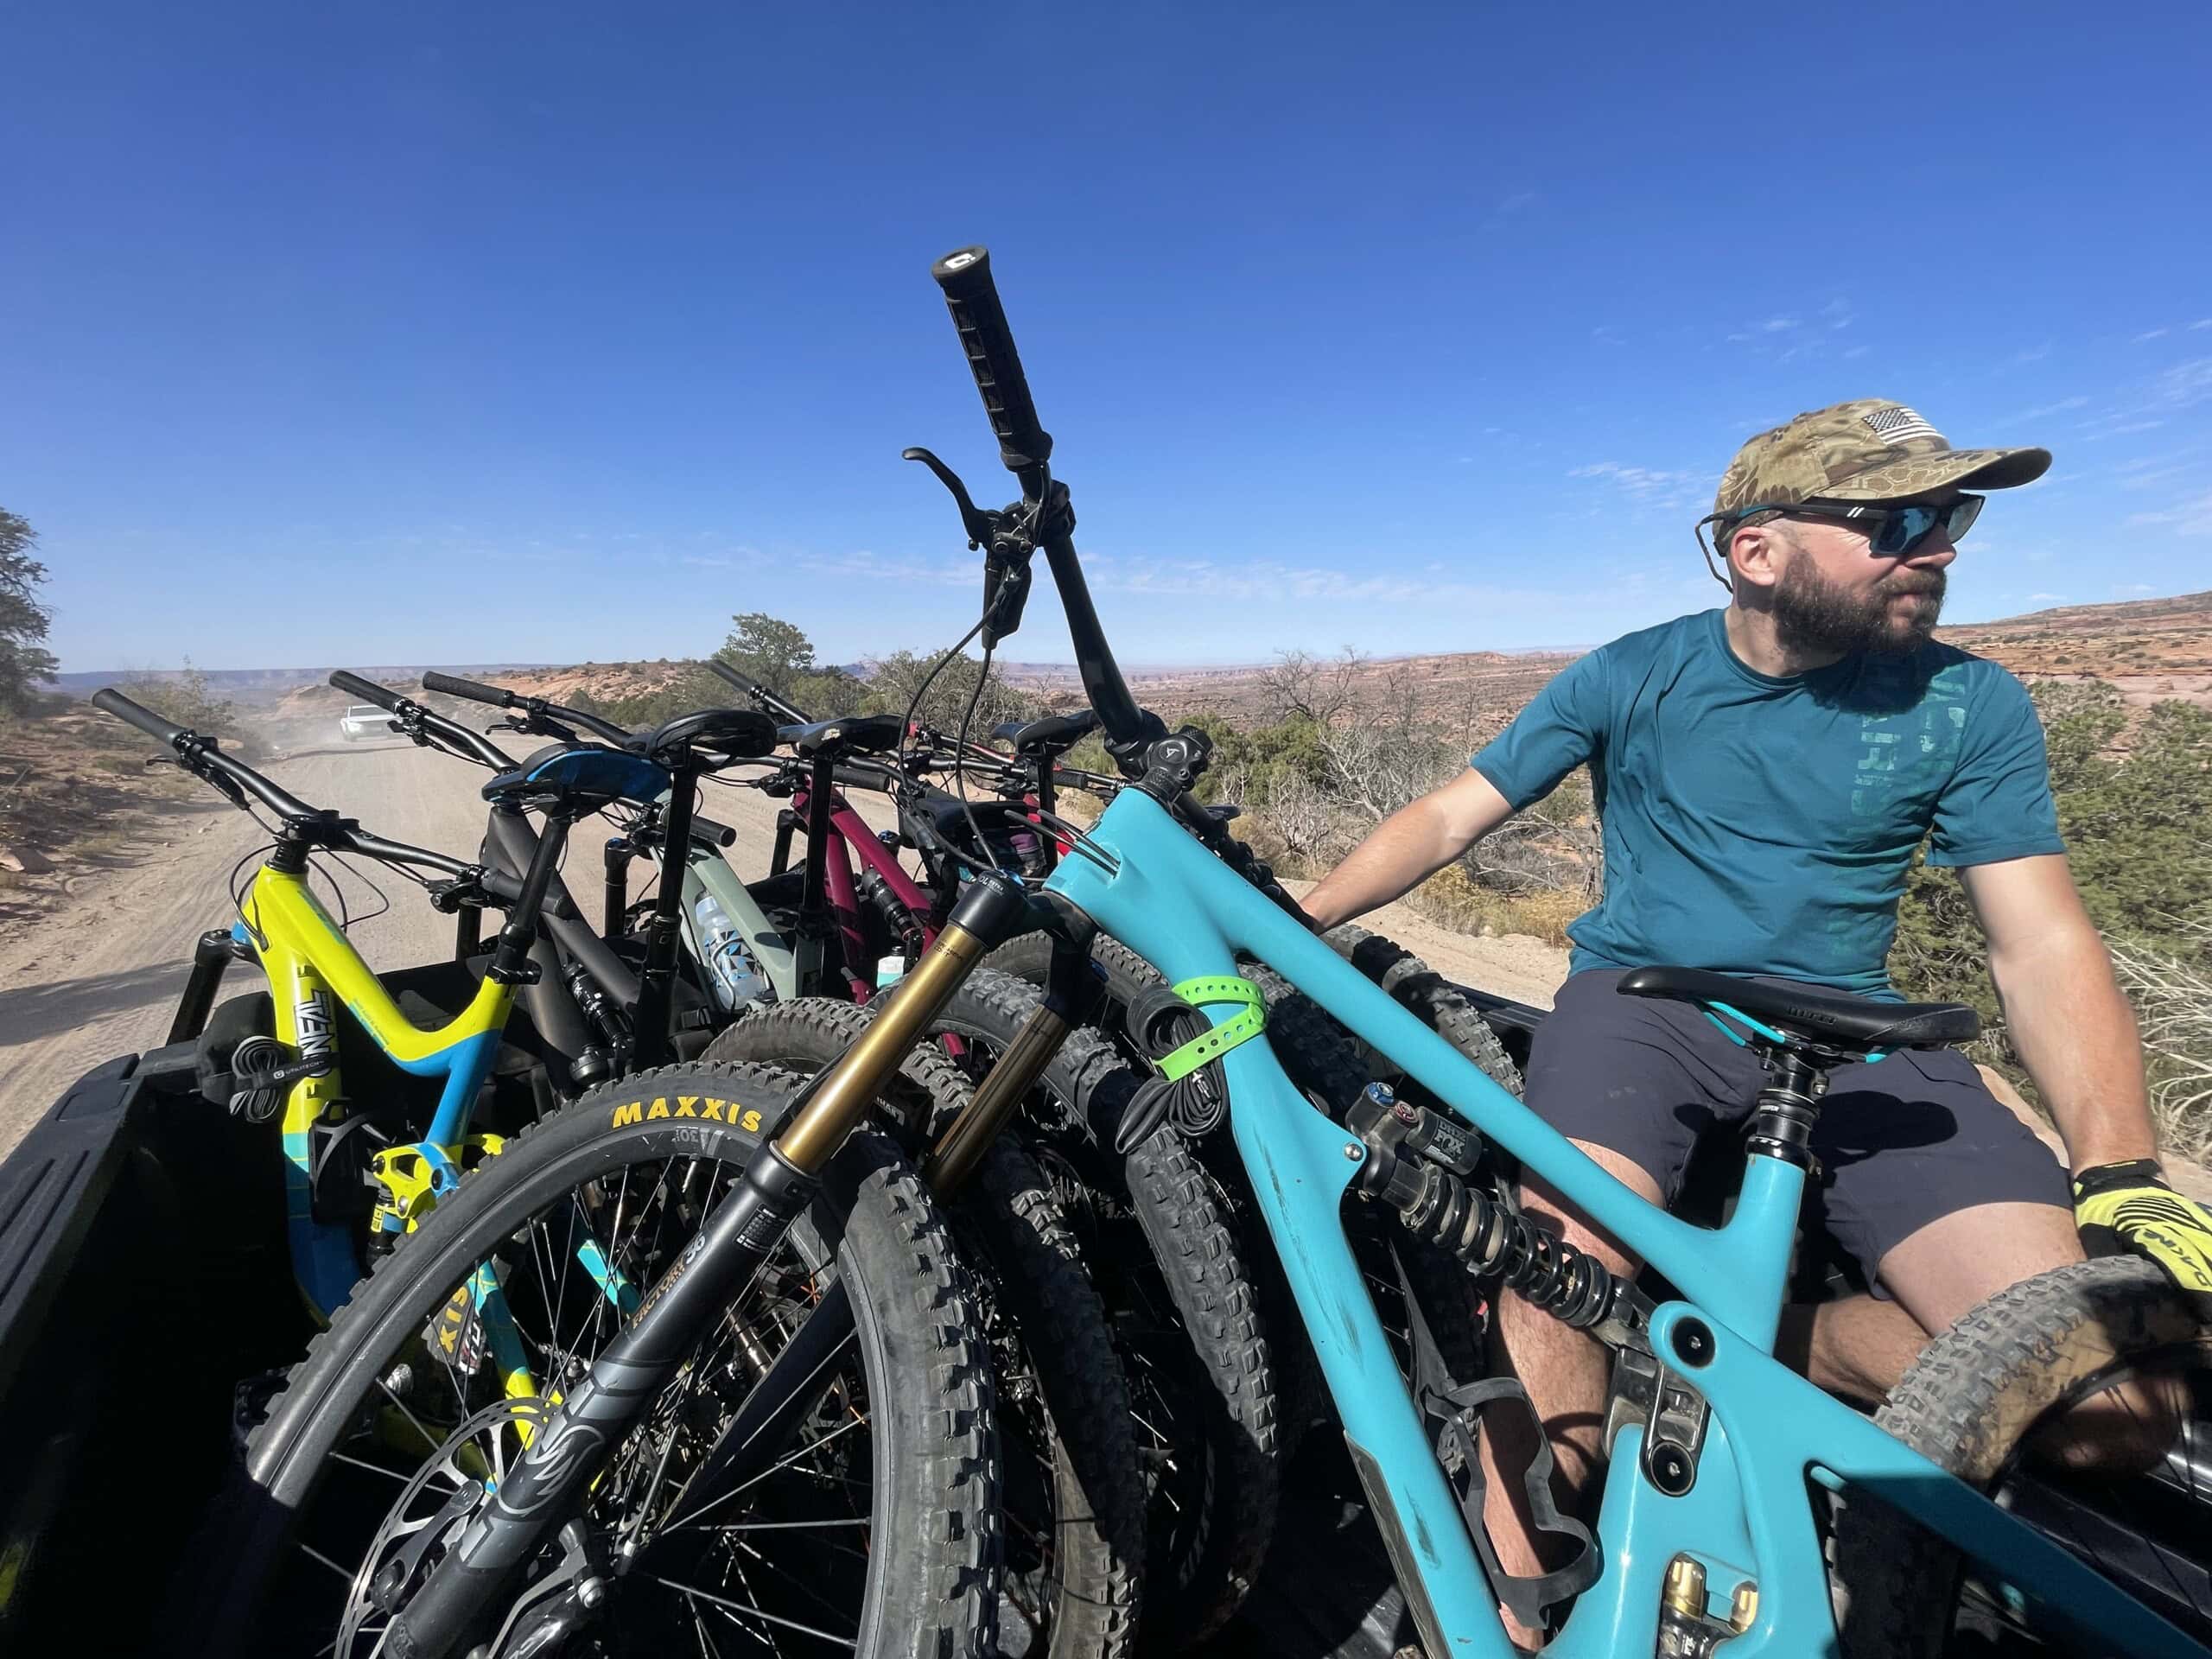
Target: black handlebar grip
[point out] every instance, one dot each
(973, 299)
(475, 690)
(752, 688)
(113, 702)
(707, 833)
(367, 690)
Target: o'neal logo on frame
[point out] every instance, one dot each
(703, 1107)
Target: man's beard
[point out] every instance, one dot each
(1814, 614)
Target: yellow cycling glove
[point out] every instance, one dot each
(2129, 1206)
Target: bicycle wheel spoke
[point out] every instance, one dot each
(314, 1554)
(706, 1648)
(794, 1580)
(761, 1613)
(784, 1463)
(430, 1442)
(373, 1468)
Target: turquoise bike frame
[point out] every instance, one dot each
(1748, 1516)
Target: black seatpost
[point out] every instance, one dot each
(614, 860)
(657, 984)
(212, 954)
(1046, 771)
(511, 963)
(1789, 1104)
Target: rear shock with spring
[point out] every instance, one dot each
(1418, 1161)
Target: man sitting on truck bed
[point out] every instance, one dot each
(1764, 773)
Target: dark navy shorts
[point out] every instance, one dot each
(1901, 1142)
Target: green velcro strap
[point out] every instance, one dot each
(1216, 1040)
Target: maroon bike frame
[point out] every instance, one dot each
(848, 836)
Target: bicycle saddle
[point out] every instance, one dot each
(1836, 1018)
(1050, 736)
(581, 777)
(852, 735)
(715, 736)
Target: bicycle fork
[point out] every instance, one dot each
(473, 1582)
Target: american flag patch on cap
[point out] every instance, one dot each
(1897, 424)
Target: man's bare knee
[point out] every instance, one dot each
(1545, 1206)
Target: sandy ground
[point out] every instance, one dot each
(1518, 966)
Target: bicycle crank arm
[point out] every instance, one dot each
(465, 1592)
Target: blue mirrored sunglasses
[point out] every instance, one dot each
(1892, 532)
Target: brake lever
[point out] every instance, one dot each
(979, 525)
(532, 724)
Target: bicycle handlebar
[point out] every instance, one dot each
(398, 852)
(973, 299)
(474, 745)
(1024, 446)
(776, 705)
(203, 755)
(499, 697)
(113, 702)
(475, 690)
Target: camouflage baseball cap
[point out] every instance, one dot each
(1870, 450)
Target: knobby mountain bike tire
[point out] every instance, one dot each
(1174, 1274)
(1976, 1401)
(876, 1530)
(1435, 1000)
(1072, 1499)
(1325, 1061)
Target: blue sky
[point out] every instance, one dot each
(433, 334)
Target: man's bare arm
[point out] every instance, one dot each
(2063, 1012)
(1407, 848)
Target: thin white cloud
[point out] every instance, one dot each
(1519, 201)
(2201, 322)
(2185, 384)
(2041, 410)
(2133, 587)
(1778, 325)
(1646, 485)
(1856, 350)
(2190, 517)
(2052, 599)
(2139, 476)
(2149, 334)
(2034, 355)
(864, 566)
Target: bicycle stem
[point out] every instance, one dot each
(467, 1589)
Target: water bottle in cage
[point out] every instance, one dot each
(731, 967)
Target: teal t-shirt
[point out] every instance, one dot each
(1757, 825)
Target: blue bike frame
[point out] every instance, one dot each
(1748, 1516)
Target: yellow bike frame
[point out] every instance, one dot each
(312, 968)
